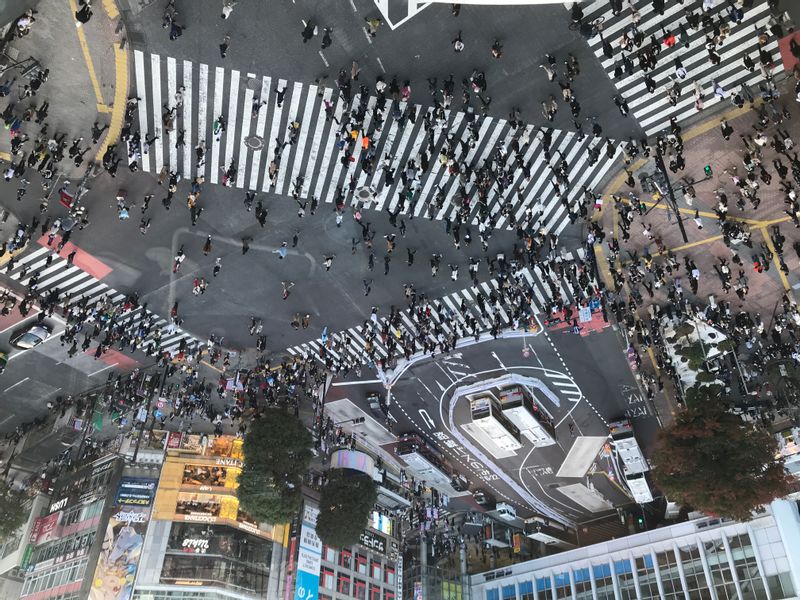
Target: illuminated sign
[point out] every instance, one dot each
(196, 545)
(229, 462)
(372, 541)
(381, 522)
(58, 505)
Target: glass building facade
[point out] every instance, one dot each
(705, 559)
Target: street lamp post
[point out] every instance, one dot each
(670, 195)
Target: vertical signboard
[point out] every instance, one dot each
(309, 557)
(124, 537)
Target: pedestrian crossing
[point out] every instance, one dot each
(253, 133)
(653, 111)
(65, 278)
(351, 345)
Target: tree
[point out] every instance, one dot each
(276, 456)
(716, 463)
(344, 507)
(13, 511)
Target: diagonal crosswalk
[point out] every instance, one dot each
(357, 344)
(653, 111)
(64, 278)
(251, 137)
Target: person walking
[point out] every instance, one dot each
(223, 47)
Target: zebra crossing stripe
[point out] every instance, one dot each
(231, 121)
(294, 105)
(187, 118)
(242, 162)
(276, 123)
(255, 168)
(172, 89)
(138, 60)
(202, 111)
(158, 146)
(305, 126)
(219, 79)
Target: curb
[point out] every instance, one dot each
(121, 80)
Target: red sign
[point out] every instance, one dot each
(49, 529)
(174, 439)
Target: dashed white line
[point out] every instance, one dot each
(20, 382)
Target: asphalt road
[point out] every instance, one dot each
(588, 376)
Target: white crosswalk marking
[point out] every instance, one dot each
(187, 118)
(62, 279)
(317, 157)
(219, 79)
(653, 111)
(158, 146)
(456, 308)
(172, 88)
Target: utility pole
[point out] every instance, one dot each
(670, 195)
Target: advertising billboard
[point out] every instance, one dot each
(309, 557)
(122, 545)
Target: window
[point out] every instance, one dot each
(603, 581)
(720, 570)
(374, 592)
(346, 559)
(375, 570)
(329, 554)
(509, 592)
(493, 594)
(563, 586)
(583, 584)
(647, 577)
(361, 564)
(324, 597)
(343, 584)
(326, 579)
(670, 576)
(388, 575)
(696, 583)
(744, 560)
(780, 586)
(387, 595)
(526, 590)
(360, 589)
(627, 588)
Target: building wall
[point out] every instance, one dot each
(706, 559)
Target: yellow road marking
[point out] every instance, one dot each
(775, 260)
(707, 240)
(5, 156)
(120, 99)
(87, 57)
(111, 9)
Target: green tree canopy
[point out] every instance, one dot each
(277, 452)
(13, 511)
(344, 507)
(713, 461)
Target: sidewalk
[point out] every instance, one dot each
(87, 79)
(705, 146)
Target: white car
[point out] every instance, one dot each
(31, 337)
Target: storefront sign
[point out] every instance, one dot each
(229, 462)
(174, 439)
(309, 557)
(49, 529)
(58, 505)
(136, 491)
(196, 545)
(119, 559)
(373, 542)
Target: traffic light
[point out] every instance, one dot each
(707, 170)
(640, 521)
(358, 420)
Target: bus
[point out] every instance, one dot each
(531, 418)
(633, 462)
(426, 461)
(488, 416)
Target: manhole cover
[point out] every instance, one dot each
(365, 194)
(253, 84)
(255, 142)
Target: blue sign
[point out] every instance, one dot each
(307, 586)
